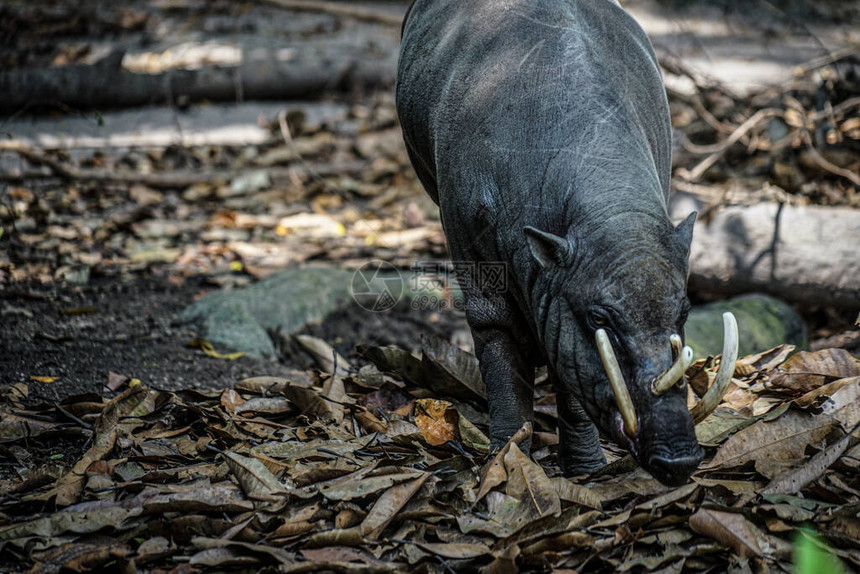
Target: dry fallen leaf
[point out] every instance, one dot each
(494, 472)
(569, 491)
(805, 371)
(528, 482)
(793, 481)
(256, 480)
(437, 425)
(785, 438)
(727, 528)
(388, 505)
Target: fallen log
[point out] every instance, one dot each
(293, 72)
(804, 254)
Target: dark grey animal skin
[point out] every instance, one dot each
(541, 128)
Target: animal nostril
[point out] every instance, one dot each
(673, 471)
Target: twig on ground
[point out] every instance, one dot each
(745, 127)
(826, 165)
(826, 60)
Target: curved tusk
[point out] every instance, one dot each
(715, 393)
(674, 373)
(675, 341)
(616, 381)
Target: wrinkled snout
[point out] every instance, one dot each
(666, 445)
(659, 428)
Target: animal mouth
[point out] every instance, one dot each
(670, 377)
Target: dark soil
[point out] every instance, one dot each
(80, 334)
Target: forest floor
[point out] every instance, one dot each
(101, 250)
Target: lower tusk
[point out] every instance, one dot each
(676, 372)
(715, 393)
(616, 381)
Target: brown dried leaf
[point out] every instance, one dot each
(528, 482)
(437, 425)
(134, 400)
(763, 361)
(353, 489)
(388, 505)
(79, 522)
(794, 481)
(569, 491)
(454, 550)
(815, 396)
(805, 371)
(727, 528)
(449, 370)
(494, 472)
(785, 438)
(370, 423)
(230, 399)
(256, 480)
(81, 556)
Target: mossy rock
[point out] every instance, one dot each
(763, 323)
(241, 319)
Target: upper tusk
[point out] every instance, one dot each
(675, 341)
(616, 381)
(715, 393)
(674, 373)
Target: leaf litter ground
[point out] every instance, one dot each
(385, 468)
(367, 471)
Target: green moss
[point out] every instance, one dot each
(763, 322)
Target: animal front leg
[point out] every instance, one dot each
(509, 380)
(579, 449)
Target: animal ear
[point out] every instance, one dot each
(684, 233)
(549, 249)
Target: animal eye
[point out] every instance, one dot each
(598, 320)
